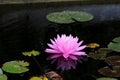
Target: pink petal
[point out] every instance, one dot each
(80, 48)
(51, 51)
(65, 55)
(52, 46)
(53, 42)
(80, 43)
(79, 53)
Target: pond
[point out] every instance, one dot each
(26, 29)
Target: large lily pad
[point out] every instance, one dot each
(15, 67)
(3, 77)
(106, 78)
(115, 44)
(81, 16)
(60, 17)
(66, 17)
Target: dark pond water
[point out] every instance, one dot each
(27, 29)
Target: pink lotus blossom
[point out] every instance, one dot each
(66, 50)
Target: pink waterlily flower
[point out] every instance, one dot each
(66, 50)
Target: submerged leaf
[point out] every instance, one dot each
(100, 54)
(15, 67)
(106, 71)
(3, 77)
(115, 44)
(106, 78)
(66, 17)
(113, 60)
(97, 56)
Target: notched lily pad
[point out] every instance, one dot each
(81, 16)
(66, 17)
(115, 44)
(106, 78)
(100, 54)
(15, 67)
(113, 60)
(106, 71)
(3, 77)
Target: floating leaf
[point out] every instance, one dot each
(81, 16)
(60, 17)
(116, 39)
(115, 44)
(15, 67)
(106, 71)
(66, 17)
(1, 72)
(106, 78)
(3, 77)
(31, 53)
(35, 78)
(113, 60)
(93, 45)
(100, 54)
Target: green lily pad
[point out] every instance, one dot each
(81, 16)
(3, 77)
(66, 17)
(115, 44)
(1, 72)
(106, 78)
(31, 53)
(15, 67)
(60, 17)
(117, 39)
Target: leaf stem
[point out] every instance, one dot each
(38, 64)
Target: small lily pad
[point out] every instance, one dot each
(115, 44)
(66, 17)
(15, 67)
(31, 53)
(3, 77)
(106, 78)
